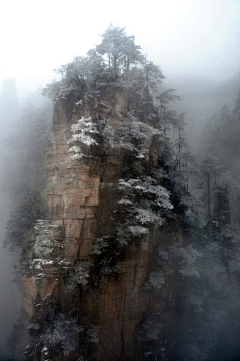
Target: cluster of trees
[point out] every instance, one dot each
(197, 278)
(220, 164)
(220, 138)
(117, 61)
(113, 58)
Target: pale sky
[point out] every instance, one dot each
(190, 36)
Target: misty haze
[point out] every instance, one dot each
(120, 186)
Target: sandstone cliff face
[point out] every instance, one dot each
(110, 298)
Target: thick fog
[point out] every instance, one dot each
(10, 298)
(196, 43)
(199, 37)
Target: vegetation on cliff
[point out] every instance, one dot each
(147, 203)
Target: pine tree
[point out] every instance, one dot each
(120, 49)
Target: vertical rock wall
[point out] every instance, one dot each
(81, 202)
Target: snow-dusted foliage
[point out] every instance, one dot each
(144, 216)
(138, 230)
(83, 131)
(142, 202)
(132, 135)
(75, 149)
(61, 333)
(125, 202)
(107, 249)
(147, 187)
(79, 275)
(77, 156)
(63, 90)
(100, 245)
(42, 245)
(83, 134)
(145, 200)
(122, 236)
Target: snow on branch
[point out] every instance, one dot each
(145, 201)
(79, 275)
(83, 133)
